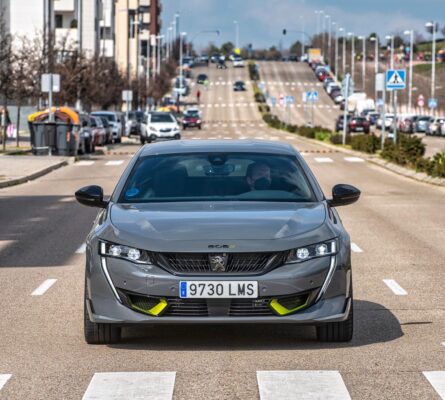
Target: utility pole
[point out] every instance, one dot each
(411, 51)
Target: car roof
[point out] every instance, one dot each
(218, 146)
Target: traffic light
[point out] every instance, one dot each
(284, 31)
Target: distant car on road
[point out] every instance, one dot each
(239, 86)
(201, 78)
(218, 232)
(238, 62)
(435, 128)
(192, 119)
(221, 64)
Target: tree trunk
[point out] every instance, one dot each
(19, 107)
(5, 125)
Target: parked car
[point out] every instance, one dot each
(192, 119)
(108, 130)
(223, 223)
(435, 127)
(86, 144)
(422, 123)
(389, 119)
(135, 121)
(407, 124)
(116, 120)
(372, 117)
(358, 124)
(331, 87)
(99, 132)
(239, 86)
(161, 126)
(336, 96)
(201, 78)
(339, 122)
(327, 81)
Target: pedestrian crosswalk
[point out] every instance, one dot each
(283, 385)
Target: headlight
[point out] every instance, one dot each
(153, 129)
(124, 252)
(313, 251)
(198, 121)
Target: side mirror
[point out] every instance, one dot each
(84, 124)
(91, 196)
(343, 195)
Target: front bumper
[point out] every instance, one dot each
(326, 280)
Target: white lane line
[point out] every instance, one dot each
(395, 287)
(82, 249)
(131, 386)
(84, 163)
(323, 159)
(437, 381)
(290, 137)
(41, 290)
(259, 137)
(355, 248)
(301, 385)
(194, 138)
(354, 159)
(114, 163)
(3, 379)
(443, 343)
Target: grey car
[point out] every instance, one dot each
(218, 232)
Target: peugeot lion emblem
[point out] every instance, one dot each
(218, 262)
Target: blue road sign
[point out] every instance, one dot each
(395, 79)
(289, 100)
(311, 96)
(432, 103)
(380, 102)
(273, 100)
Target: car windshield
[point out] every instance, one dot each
(161, 118)
(109, 117)
(192, 114)
(217, 177)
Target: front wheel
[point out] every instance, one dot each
(337, 331)
(100, 333)
(142, 140)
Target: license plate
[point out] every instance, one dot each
(218, 289)
(359, 128)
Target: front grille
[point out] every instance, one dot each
(165, 130)
(237, 263)
(186, 308)
(250, 308)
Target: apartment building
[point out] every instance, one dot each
(137, 22)
(84, 24)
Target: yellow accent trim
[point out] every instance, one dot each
(155, 311)
(65, 110)
(158, 308)
(283, 310)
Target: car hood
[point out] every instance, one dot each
(154, 226)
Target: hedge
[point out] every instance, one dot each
(366, 143)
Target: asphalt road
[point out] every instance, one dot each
(398, 230)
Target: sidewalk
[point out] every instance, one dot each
(20, 169)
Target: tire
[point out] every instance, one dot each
(337, 331)
(199, 127)
(184, 127)
(99, 333)
(142, 140)
(177, 136)
(88, 146)
(118, 140)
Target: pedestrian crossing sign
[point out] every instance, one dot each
(395, 79)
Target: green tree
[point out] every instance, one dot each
(227, 48)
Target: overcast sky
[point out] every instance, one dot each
(262, 21)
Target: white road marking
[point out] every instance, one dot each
(82, 249)
(259, 137)
(274, 138)
(354, 159)
(223, 105)
(44, 287)
(395, 287)
(114, 163)
(304, 154)
(301, 385)
(209, 105)
(355, 248)
(131, 386)
(228, 138)
(437, 381)
(195, 138)
(3, 379)
(323, 159)
(443, 343)
(290, 137)
(216, 83)
(84, 163)
(224, 125)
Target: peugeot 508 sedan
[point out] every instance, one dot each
(206, 232)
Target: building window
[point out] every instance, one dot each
(59, 21)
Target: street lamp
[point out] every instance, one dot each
(391, 37)
(376, 60)
(363, 62)
(343, 51)
(352, 55)
(433, 27)
(328, 17)
(236, 33)
(411, 50)
(183, 34)
(318, 13)
(302, 36)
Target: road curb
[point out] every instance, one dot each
(376, 160)
(35, 175)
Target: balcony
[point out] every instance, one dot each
(64, 5)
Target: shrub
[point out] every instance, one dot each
(323, 135)
(253, 72)
(365, 143)
(406, 151)
(263, 108)
(439, 165)
(272, 120)
(292, 128)
(259, 97)
(425, 165)
(337, 138)
(307, 132)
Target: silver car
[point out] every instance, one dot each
(218, 232)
